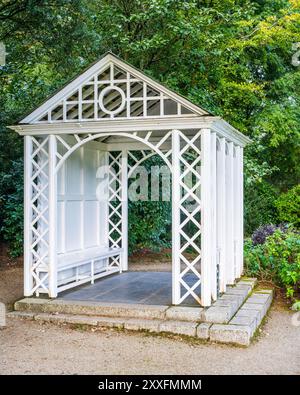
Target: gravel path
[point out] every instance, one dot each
(29, 347)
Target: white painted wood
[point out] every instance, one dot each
(77, 110)
(28, 281)
(52, 218)
(206, 217)
(83, 217)
(237, 208)
(103, 205)
(98, 68)
(81, 183)
(221, 213)
(124, 186)
(155, 146)
(213, 197)
(87, 279)
(241, 212)
(230, 274)
(176, 196)
(70, 260)
(216, 124)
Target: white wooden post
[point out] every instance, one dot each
(103, 204)
(230, 275)
(213, 192)
(221, 212)
(237, 191)
(241, 211)
(176, 195)
(28, 283)
(124, 194)
(52, 217)
(206, 217)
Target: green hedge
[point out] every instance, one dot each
(288, 206)
(277, 260)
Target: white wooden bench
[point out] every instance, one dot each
(76, 260)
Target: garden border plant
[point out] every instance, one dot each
(273, 254)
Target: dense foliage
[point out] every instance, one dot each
(288, 206)
(260, 235)
(233, 57)
(276, 260)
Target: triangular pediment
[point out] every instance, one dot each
(111, 89)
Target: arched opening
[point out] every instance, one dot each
(149, 213)
(89, 221)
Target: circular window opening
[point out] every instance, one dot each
(105, 93)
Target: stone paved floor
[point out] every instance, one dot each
(149, 288)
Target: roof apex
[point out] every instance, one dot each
(106, 59)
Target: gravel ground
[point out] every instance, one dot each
(29, 347)
(11, 285)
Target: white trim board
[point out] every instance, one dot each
(217, 124)
(98, 67)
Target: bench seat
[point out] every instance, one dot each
(75, 260)
(66, 261)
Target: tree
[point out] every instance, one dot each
(232, 57)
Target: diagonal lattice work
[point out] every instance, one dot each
(182, 152)
(159, 144)
(115, 215)
(113, 92)
(186, 216)
(37, 215)
(136, 158)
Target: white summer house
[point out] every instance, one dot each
(115, 115)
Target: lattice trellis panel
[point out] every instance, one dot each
(37, 210)
(186, 217)
(66, 144)
(136, 158)
(185, 160)
(113, 93)
(115, 216)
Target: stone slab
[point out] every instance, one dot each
(244, 312)
(237, 291)
(92, 308)
(31, 304)
(179, 327)
(184, 313)
(234, 334)
(140, 324)
(239, 298)
(245, 287)
(233, 304)
(219, 314)
(248, 321)
(67, 319)
(111, 322)
(248, 308)
(202, 331)
(21, 314)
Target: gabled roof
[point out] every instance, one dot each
(111, 88)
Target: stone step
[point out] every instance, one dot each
(135, 324)
(234, 318)
(38, 305)
(221, 311)
(239, 330)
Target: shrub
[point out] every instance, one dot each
(149, 225)
(149, 222)
(277, 260)
(260, 235)
(288, 206)
(260, 206)
(11, 204)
